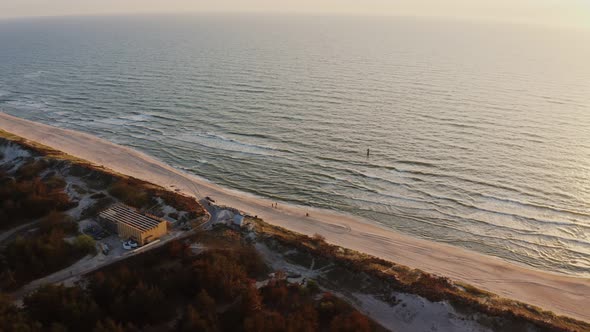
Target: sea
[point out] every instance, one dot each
(478, 133)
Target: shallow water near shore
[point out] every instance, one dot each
(484, 152)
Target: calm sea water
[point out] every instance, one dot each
(479, 134)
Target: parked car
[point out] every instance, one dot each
(126, 246)
(132, 243)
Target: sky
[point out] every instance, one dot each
(545, 12)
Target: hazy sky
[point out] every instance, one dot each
(554, 12)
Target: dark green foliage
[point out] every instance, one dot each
(99, 205)
(85, 243)
(312, 286)
(58, 221)
(129, 194)
(42, 251)
(98, 196)
(110, 325)
(28, 258)
(69, 307)
(13, 320)
(28, 197)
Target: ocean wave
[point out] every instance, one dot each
(212, 140)
(434, 200)
(136, 117)
(573, 247)
(545, 208)
(35, 74)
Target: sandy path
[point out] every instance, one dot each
(564, 295)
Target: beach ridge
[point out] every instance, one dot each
(568, 296)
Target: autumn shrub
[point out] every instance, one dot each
(31, 169)
(22, 200)
(129, 194)
(352, 321)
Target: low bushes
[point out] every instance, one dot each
(129, 194)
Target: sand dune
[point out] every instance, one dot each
(562, 294)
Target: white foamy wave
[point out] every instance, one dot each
(35, 74)
(216, 141)
(137, 117)
(27, 104)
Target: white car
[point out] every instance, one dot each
(126, 246)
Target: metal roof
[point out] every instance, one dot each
(129, 216)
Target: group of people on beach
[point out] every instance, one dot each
(276, 206)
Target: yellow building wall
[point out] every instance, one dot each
(125, 231)
(154, 233)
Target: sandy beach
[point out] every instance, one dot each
(561, 294)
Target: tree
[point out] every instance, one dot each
(251, 299)
(108, 325)
(58, 220)
(67, 306)
(351, 322)
(265, 321)
(304, 319)
(193, 321)
(313, 286)
(85, 244)
(13, 320)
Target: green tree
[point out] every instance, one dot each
(85, 244)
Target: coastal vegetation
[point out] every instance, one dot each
(25, 195)
(33, 195)
(31, 257)
(384, 275)
(40, 192)
(173, 289)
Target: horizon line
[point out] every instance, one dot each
(475, 20)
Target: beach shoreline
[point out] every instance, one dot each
(561, 294)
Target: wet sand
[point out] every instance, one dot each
(559, 293)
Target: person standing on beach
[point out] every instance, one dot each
(368, 152)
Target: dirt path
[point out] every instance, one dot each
(9, 233)
(86, 265)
